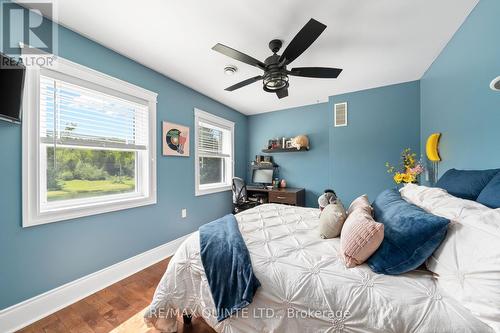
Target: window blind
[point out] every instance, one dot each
(213, 140)
(73, 115)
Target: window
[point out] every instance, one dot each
(88, 144)
(214, 139)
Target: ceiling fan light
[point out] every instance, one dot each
(275, 78)
(275, 81)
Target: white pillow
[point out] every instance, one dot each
(332, 219)
(467, 263)
(438, 202)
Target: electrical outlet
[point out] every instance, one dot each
(184, 213)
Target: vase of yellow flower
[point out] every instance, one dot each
(410, 169)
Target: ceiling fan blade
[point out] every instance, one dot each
(317, 72)
(282, 93)
(232, 53)
(244, 83)
(304, 38)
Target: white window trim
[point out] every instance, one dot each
(218, 121)
(32, 214)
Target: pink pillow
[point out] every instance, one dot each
(360, 238)
(361, 202)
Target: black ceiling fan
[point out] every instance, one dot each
(275, 77)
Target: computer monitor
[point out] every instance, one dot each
(262, 176)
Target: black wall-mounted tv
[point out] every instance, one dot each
(11, 88)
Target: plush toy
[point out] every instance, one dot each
(329, 197)
(300, 141)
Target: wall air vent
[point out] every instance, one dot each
(340, 114)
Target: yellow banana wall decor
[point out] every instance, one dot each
(432, 147)
(432, 151)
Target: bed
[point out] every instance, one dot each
(305, 286)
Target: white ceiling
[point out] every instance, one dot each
(377, 43)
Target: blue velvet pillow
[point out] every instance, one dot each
(411, 234)
(466, 184)
(490, 195)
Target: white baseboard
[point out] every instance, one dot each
(22, 314)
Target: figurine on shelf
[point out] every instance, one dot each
(277, 143)
(283, 183)
(300, 141)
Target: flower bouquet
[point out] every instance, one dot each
(410, 170)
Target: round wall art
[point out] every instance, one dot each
(175, 139)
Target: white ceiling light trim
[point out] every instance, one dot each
(495, 84)
(230, 70)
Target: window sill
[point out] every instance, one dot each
(87, 210)
(211, 190)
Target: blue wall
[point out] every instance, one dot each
(351, 160)
(455, 95)
(36, 259)
(381, 123)
(301, 169)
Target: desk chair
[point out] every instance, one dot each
(240, 196)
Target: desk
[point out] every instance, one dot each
(288, 196)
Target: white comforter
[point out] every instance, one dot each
(306, 287)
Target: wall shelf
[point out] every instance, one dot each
(284, 150)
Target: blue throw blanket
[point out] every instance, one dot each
(227, 265)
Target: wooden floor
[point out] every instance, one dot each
(117, 308)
